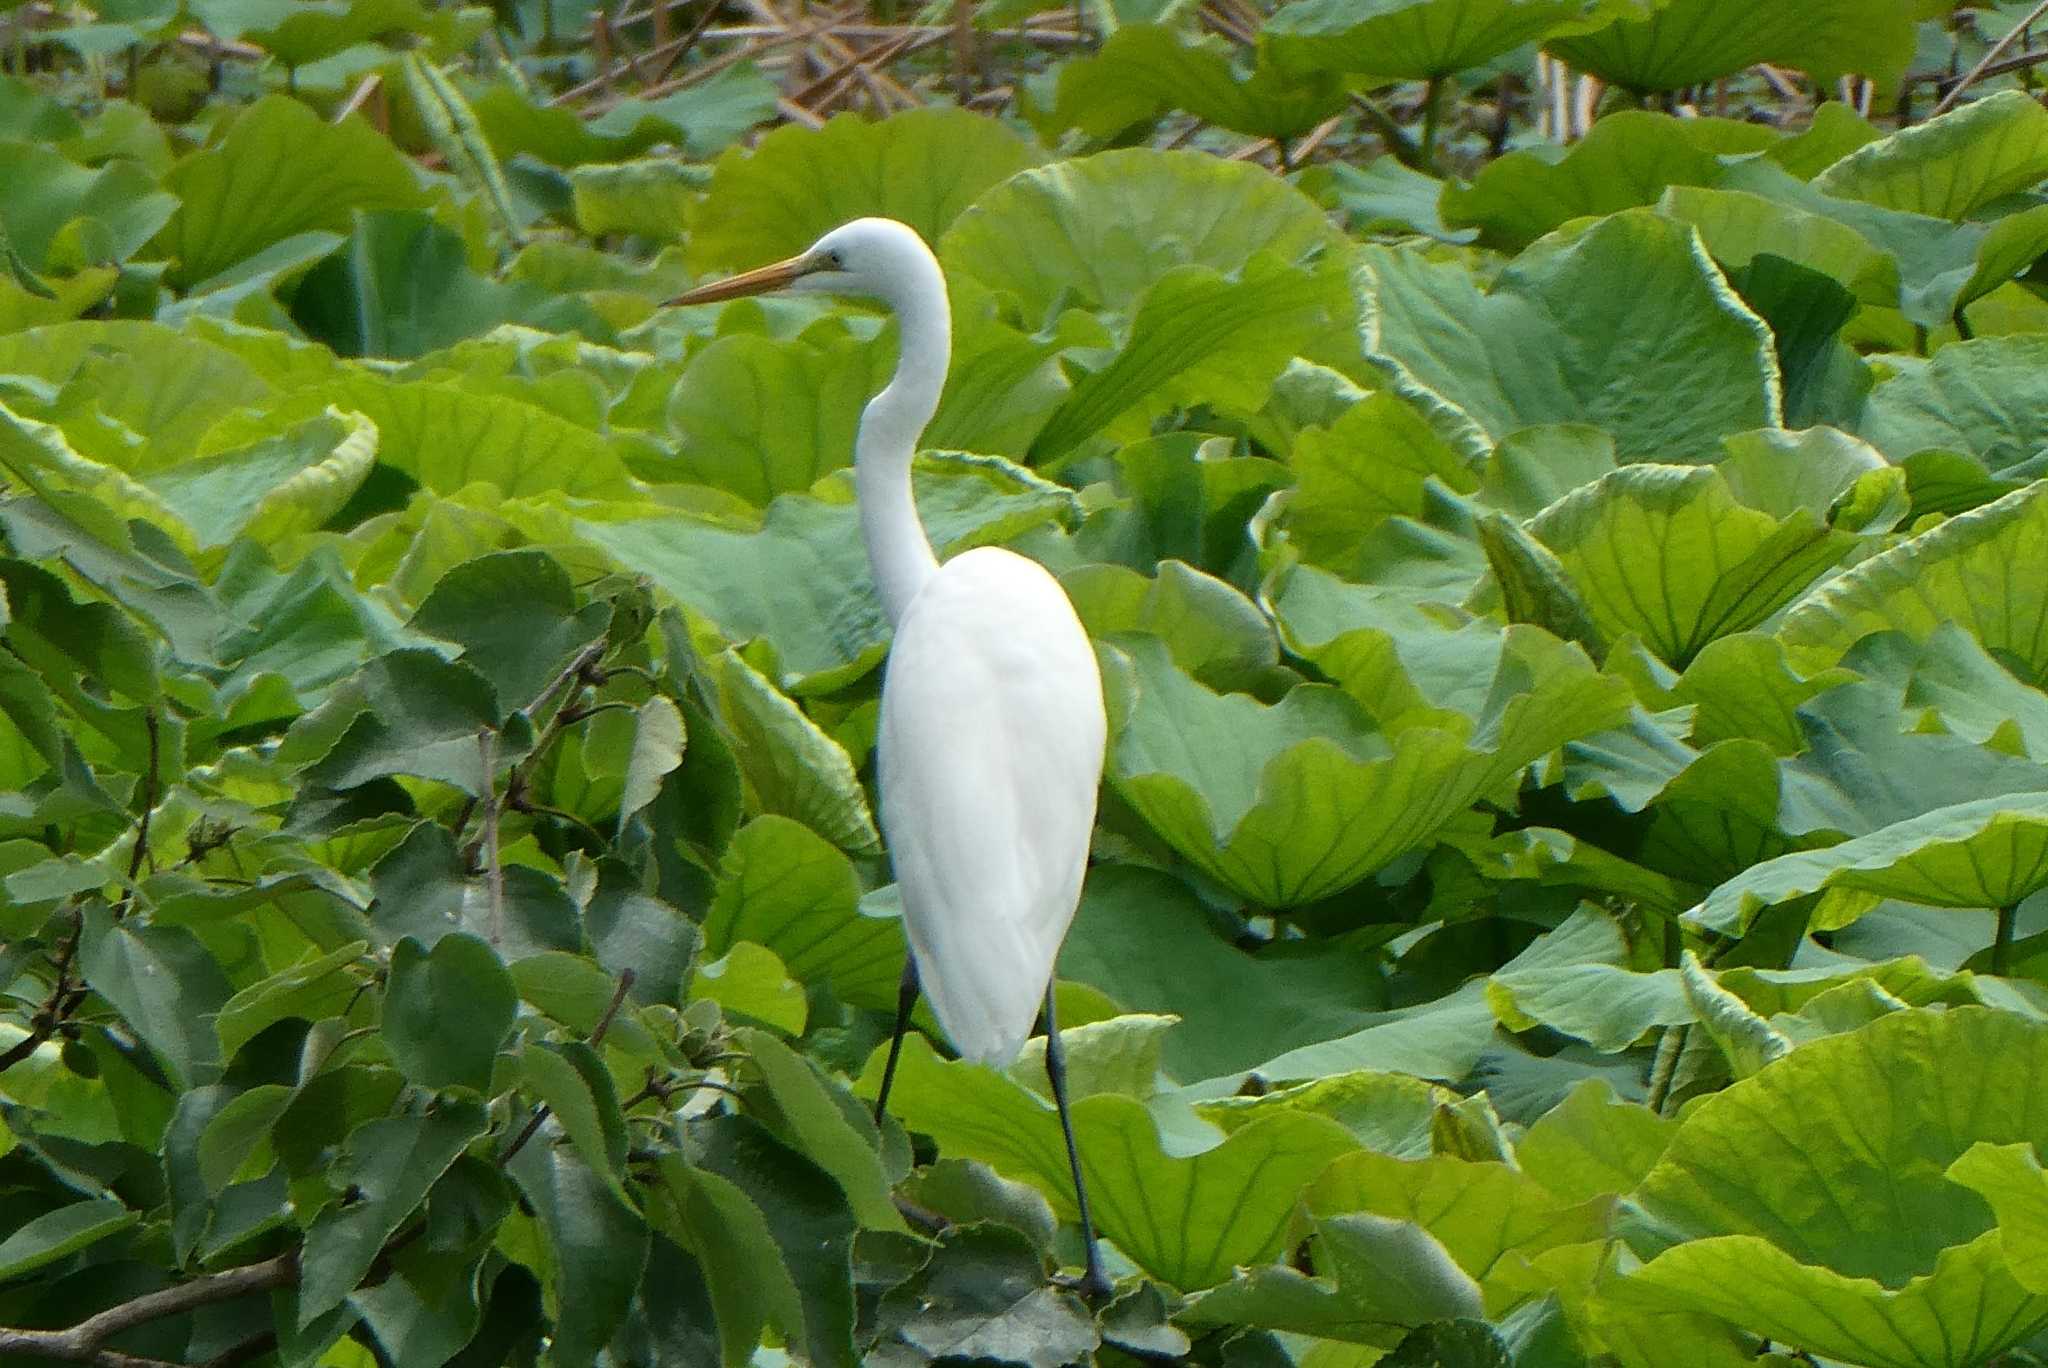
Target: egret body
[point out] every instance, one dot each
(992, 728)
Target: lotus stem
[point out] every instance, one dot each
(2001, 944)
(1669, 1046)
(1432, 120)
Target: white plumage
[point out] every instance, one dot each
(989, 757)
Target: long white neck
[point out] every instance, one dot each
(899, 553)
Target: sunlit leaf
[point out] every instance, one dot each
(1550, 344)
(313, 174)
(1686, 42)
(922, 167)
(1392, 40)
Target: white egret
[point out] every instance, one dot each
(992, 726)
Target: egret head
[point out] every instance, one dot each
(877, 258)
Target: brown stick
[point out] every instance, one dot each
(85, 1342)
(1996, 51)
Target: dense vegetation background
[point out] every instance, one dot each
(1554, 485)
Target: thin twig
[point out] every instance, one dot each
(597, 1032)
(140, 853)
(1391, 133)
(1996, 51)
(963, 49)
(358, 97)
(796, 113)
(494, 872)
(604, 1023)
(1315, 138)
(85, 1342)
(682, 45)
(62, 1001)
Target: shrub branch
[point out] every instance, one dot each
(86, 1341)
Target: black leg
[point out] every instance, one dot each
(1094, 1283)
(906, 998)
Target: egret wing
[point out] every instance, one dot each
(989, 756)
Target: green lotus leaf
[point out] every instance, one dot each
(1626, 159)
(1534, 467)
(1989, 853)
(1098, 232)
(1178, 496)
(1958, 572)
(799, 579)
(1810, 1202)
(2010, 1178)
(1950, 167)
(784, 887)
(1395, 40)
(1369, 465)
(297, 35)
(1142, 938)
(1601, 999)
(55, 209)
(1200, 337)
(1289, 803)
(1865, 768)
(38, 455)
(1385, 196)
(1941, 266)
(923, 167)
(1738, 226)
(759, 417)
(1441, 1194)
(1819, 469)
(792, 766)
(1552, 858)
(274, 487)
(1688, 42)
(1138, 1192)
(313, 174)
(445, 437)
(133, 394)
(1441, 1039)
(1951, 676)
(402, 286)
(1377, 1278)
(1966, 1310)
(1551, 343)
(1873, 1118)
(649, 197)
(1780, 995)
(1405, 663)
(1592, 1144)
(705, 117)
(1976, 397)
(1390, 1113)
(1673, 554)
(1742, 687)
(1143, 69)
(1215, 633)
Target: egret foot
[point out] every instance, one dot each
(1092, 1283)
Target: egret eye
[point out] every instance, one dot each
(834, 262)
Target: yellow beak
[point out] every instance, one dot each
(760, 280)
